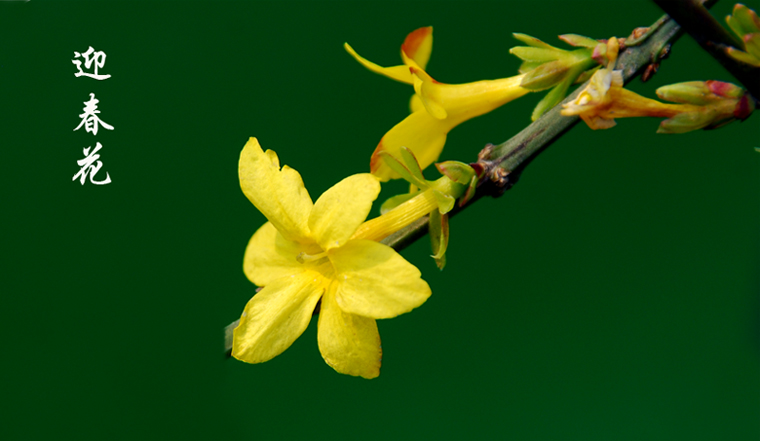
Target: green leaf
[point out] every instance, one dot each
(686, 122)
(752, 44)
(412, 165)
(579, 40)
(559, 92)
(458, 172)
(470, 191)
(545, 75)
(401, 169)
(747, 19)
(528, 66)
(533, 41)
(537, 54)
(551, 99)
(438, 226)
(735, 26)
(742, 56)
(690, 92)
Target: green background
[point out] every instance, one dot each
(611, 295)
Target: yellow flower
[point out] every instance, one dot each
(309, 252)
(605, 99)
(436, 107)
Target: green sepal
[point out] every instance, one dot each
(735, 26)
(445, 202)
(401, 169)
(747, 19)
(537, 53)
(470, 191)
(438, 227)
(394, 201)
(690, 92)
(545, 75)
(412, 165)
(742, 56)
(528, 66)
(752, 44)
(533, 41)
(688, 121)
(579, 40)
(559, 92)
(458, 172)
(551, 99)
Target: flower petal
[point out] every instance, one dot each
(270, 256)
(464, 101)
(375, 281)
(398, 73)
(422, 86)
(276, 316)
(279, 194)
(341, 209)
(418, 45)
(415, 104)
(421, 133)
(349, 343)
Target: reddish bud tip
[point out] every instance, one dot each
(718, 87)
(743, 108)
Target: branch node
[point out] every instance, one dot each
(499, 176)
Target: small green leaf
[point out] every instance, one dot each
(579, 40)
(735, 26)
(747, 19)
(551, 99)
(533, 41)
(412, 164)
(401, 169)
(690, 92)
(752, 44)
(545, 75)
(470, 191)
(528, 66)
(686, 122)
(458, 172)
(438, 226)
(537, 53)
(742, 56)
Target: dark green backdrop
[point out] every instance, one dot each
(611, 295)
